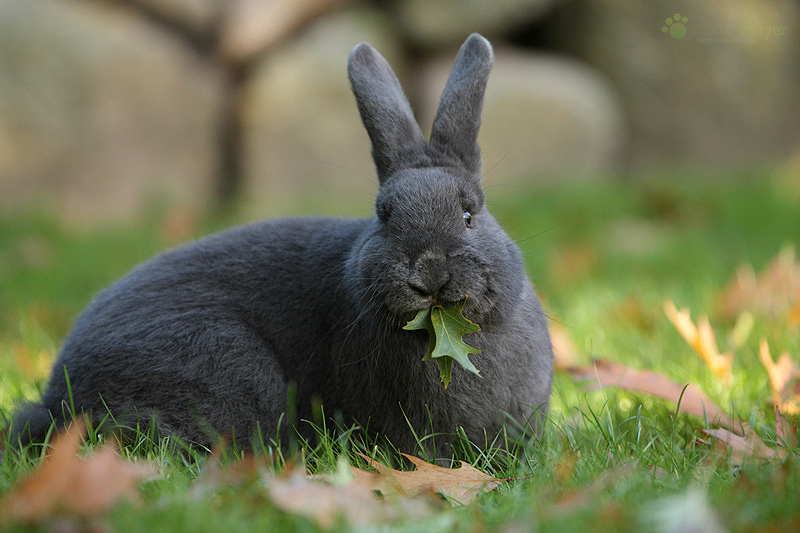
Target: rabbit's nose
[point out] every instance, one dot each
(429, 274)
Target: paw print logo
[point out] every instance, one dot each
(675, 26)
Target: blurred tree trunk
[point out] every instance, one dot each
(233, 38)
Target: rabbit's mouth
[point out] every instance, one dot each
(412, 300)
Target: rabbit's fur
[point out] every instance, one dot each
(207, 338)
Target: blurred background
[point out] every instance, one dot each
(637, 150)
(107, 106)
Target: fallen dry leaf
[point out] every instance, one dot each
(692, 400)
(786, 432)
(325, 498)
(68, 484)
(701, 338)
(774, 292)
(784, 380)
(743, 447)
(353, 497)
(297, 493)
(461, 485)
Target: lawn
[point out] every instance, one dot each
(605, 258)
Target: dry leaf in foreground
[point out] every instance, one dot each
(692, 400)
(785, 430)
(354, 498)
(784, 380)
(774, 292)
(701, 339)
(461, 484)
(297, 493)
(68, 484)
(351, 494)
(744, 447)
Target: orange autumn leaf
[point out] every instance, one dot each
(785, 430)
(774, 292)
(743, 447)
(784, 380)
(68, 484)
(692, 400)
(702, 340)
(297, 493)
(359, 497)
(461, 485)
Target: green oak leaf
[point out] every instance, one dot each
(445, 327)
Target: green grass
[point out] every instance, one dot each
(603, 257)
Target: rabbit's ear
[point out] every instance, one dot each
(458, 119)
(384, 110)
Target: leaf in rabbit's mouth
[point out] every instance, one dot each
(446, 324)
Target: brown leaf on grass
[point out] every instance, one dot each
(701, 339)
(775, 291)
(68, 484)
(786, 432)
(746, 446)
(350, 494)
(293, 491)
(784, 380)
(297, 493)
(461, 484)
(353, 497)
(692, 400)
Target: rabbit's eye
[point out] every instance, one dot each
(467, 219)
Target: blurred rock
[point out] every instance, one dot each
(200, 15)
(725, 94)
(252, 26)
(304, 135)
(100, 111)
(433, 24)
(544, 117)
(105, 105)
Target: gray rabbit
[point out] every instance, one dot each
(206, 340)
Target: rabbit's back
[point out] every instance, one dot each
(207, 335)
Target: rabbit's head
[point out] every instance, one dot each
(434, 239)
